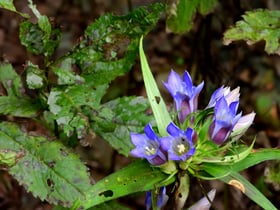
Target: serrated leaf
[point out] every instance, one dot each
(46, 168)
(66, 104)
(15, 103)
(9, 5)
(180, 13)
(257, 25)
(128, 180)
(116, 119)
(65, 73)
(160, 112)
(110, 45)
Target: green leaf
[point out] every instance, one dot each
(43, 21)
(66, 104)
(254, 158)
(46, 168)
(239, 154)
(110, 45)
(36, 40)
(160, 112)
(65, 73)
(35, 77)
(238, 181)
(15, 103)
(257, 25)
(137, 177)
(180, 13)
(9, 5)
(10, 80)
(116, 119)
(9, 157)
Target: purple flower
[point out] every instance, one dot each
(161, 199)
(230, 96)
(179, 144)
(224, 120)
(242, 125)
(148, 146)
(185, 94)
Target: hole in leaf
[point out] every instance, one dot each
(107, 193)
(50, 183)
(51, 164)
(157, 98)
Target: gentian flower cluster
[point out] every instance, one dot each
(224, 122)
(180, 144)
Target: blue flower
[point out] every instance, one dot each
(161, 199)
(148, 146)
(179, 144)
(184, 93)
(224, 120)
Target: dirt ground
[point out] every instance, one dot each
(201, 51)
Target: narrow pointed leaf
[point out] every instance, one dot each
(128, 180)
(238, 181)
(160, 112)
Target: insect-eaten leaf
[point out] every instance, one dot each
(46, 168)
(116, 119)
(15, 102)
(110, 45)
(257, 25)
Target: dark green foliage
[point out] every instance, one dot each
(180, 13)
(116, 119)
(15, 102)
(46, 168)
(110, 45)
(137, 177)
(257, 25)
(38, 41)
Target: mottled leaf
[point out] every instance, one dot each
(65, 73)
(110, 45)
(43, 21)
(15, 102)
(46, 168)
(180, 13)
(36, 40)
(116, 119)
(66, 104)
(35, 77)
(257, 25)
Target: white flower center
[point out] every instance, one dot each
(181, 148)
(150, 150)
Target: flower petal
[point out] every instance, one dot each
(173, 130)
(138, 139)
(150, 132)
